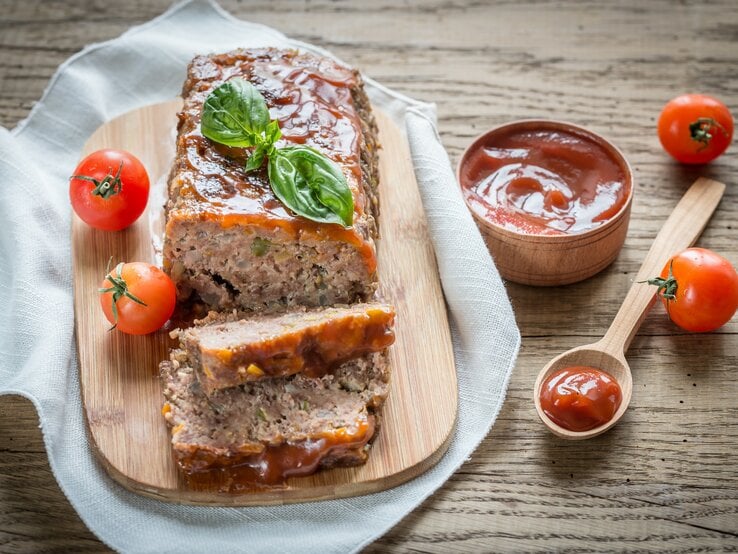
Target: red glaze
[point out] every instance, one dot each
(580, 398)
(275, 464)
(313, 103)
(544, 181)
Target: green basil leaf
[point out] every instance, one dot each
(235, 114)
(306, 181)
(311, 185)
(256, 159)
(273, 134)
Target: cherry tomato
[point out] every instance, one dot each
(137, 298)
(109, 189)
(699, 289)
(695, 128)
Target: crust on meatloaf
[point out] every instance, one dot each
(229, 241)
(274, 428)
(227, 350)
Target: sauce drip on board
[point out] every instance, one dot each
(275, 464)
(544, 181)
(580, 398)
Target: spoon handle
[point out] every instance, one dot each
(681, 230)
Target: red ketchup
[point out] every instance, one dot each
(544, 181)
(580, 398)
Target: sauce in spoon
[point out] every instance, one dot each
(580, 398)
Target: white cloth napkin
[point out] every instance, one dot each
(37, 353)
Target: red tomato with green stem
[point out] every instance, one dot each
(109, 189)
(137, 298)
(699, 289)
(695, 128)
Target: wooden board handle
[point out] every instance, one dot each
(681, 230)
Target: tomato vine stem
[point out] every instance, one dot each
(108, 186)
(119, 289)
(701, 130)
(667, 288)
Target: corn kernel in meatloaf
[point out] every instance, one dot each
(229, 240)
(227, 351)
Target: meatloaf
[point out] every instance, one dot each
(229, 240)
(226, 351)
(263, 432)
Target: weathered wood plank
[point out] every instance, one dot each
(608, 66)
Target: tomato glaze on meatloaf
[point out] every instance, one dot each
(227, 350)
(229, 240)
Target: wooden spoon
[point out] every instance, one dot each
(681, 230)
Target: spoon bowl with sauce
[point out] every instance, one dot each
(562, 420)
(578, 391)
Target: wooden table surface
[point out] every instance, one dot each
(666, 477)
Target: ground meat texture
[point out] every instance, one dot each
(275, 428)
(227, 351)
(229, 241)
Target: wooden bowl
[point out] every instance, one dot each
(550, 260)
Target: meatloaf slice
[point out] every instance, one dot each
(231, 351)
(229, 240)
(266, 431)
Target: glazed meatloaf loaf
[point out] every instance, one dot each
(229, 240)
(266, 431)
(226, 351)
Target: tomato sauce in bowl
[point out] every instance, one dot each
(551, 199)
(544, 181)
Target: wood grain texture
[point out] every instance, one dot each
(119, 373)
(665, 478)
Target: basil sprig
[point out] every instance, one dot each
(300, 175)
(305, 180)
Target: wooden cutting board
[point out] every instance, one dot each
(119, 373)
